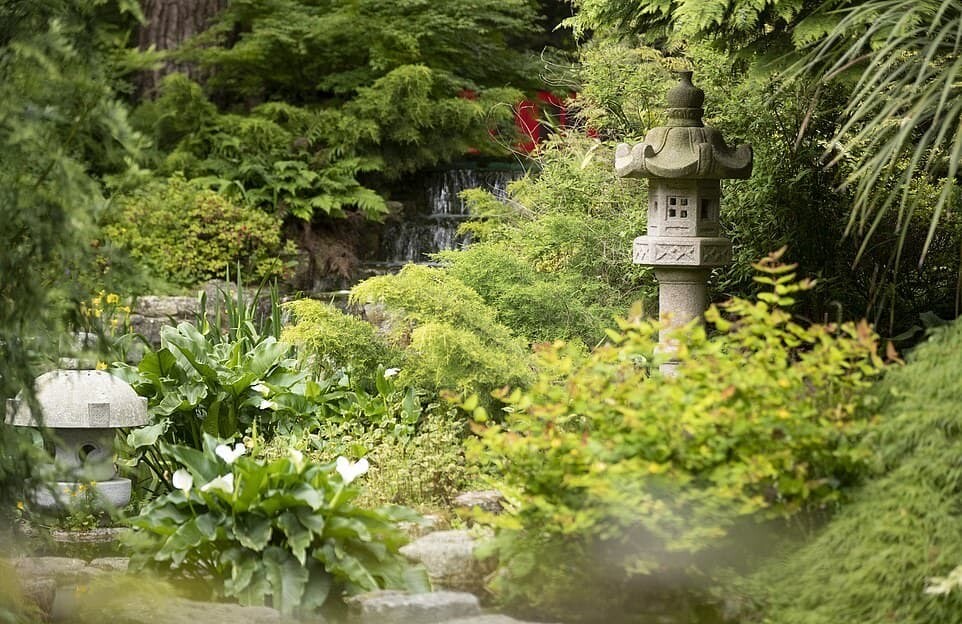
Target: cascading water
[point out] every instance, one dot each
(433, 225)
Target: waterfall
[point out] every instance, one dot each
(432, 225)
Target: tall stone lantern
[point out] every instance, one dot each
(684, 162)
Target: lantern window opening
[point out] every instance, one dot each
(673, 200)
(684, 214)
(684, 201)
(672, 212)
(706, 209)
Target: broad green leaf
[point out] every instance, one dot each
(253, 531)
(318, 586)
(147, 436)
(298, 537)
(287, 579)
(181, 543)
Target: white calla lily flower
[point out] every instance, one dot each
(265, 404)
(351, 470)
(224, 452)
(224, 483)
(391, 372)
(297, 457)
(182, 480)
(261, 388)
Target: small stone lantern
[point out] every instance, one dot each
(83, 409)
(684, 162)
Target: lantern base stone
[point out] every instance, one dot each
(113, 493)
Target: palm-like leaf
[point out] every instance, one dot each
(905, 108)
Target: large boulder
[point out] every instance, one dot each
(448, 557)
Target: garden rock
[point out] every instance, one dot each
(427, 524)
(110, 564)
(100, 535)
(151, 313)
(485, 500)
(39, 591)
(174, 611)
(58, 568)
(397, 607)
(183, 611)
(487, 619)
(448, 557)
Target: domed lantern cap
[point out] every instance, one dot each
(685, 148)
(75, 399)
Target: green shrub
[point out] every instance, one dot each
(554, 261)
(873, 562)
(188, 236)
(334, 341)
(450, 338)
(615, 471)
(422, 468)
(285, 529)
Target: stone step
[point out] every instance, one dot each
(397, 607)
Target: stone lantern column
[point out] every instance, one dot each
(684, 162)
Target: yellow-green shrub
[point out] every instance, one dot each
(332, 340)
(617, 471)
(451, 339)
(186, 235)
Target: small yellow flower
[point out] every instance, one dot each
(20, 505)
(113, 299)
(101, 366)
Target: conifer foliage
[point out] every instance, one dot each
(319, 100)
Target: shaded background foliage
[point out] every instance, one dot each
(62, 131)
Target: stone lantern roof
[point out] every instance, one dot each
(87, 399)
(685, 148)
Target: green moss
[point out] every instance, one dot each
(871, 563)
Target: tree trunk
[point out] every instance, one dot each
(169, 23)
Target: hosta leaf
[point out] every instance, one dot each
(202, 465)
(266, 355)
(157, 365)
(349, 568)
(345, 527)
(242, 567)
(310, 520)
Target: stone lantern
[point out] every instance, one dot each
(83, 409)
(684, 162)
